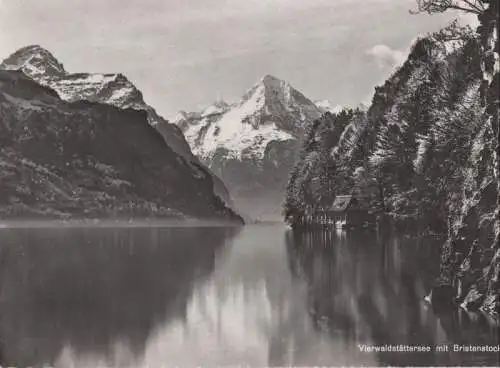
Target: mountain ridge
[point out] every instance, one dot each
(271, 104)
(82, 159)
(110, 88)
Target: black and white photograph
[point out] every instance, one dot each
(249, 183)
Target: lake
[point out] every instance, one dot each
(255, 296)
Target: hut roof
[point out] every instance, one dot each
(341, 203)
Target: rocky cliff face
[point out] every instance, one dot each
(85, 159)
(491, 76)
(471, 259)
(252, 144)
(113, 89)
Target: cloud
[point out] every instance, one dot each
(386, 56)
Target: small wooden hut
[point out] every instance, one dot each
(346, 211)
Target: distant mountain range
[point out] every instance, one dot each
(87, 144)
(252, 144)
(326, 106)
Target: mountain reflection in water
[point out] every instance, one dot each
(185, 297)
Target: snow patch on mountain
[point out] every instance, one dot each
(217, 108)
(241, 140)
(120, 94)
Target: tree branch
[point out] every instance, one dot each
(440, 6)
(467, 10)
(478, 5)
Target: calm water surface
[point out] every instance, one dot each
(258, 296)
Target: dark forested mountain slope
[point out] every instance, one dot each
(112, 89)
(84, 159)
(423, 155)
(426, 107)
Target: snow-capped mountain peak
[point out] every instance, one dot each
(34, 60)
(275, 100)
(271, 110)
(273, 90)
(252, 144)
(271, 83)
(42, 66)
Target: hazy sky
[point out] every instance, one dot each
(184, 54)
